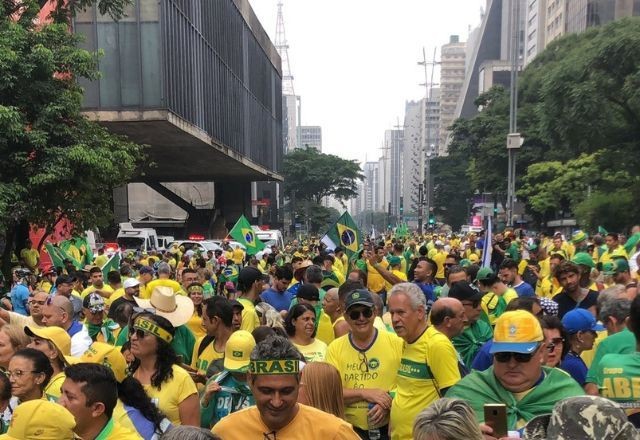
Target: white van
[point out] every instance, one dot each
(136, 239)
(271, 237)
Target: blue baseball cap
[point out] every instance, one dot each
(580, 320)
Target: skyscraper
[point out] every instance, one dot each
(452, 70)
(310, 136)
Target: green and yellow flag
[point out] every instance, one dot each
(344, 233)
(243, 233)
(112, 264)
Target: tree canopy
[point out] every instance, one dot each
(579, 112)
(54, 161)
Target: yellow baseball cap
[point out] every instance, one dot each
(58, 337)
(238, 350)
(517, 332)
(474, 258)
(40, 420)
(107, 355)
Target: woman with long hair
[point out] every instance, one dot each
(29, 373)
(195, 292)
(12, 339)
(156, 367)
(55, 343)
(321, 387)
(300, 326)
(447, 419)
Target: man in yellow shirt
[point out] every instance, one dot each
(164, 279)
(429, 364)
(439, 257)
(250, 283)
(30, 257)
(208, 351)
(97, 284)
(237, 256)
(367, 360)
(90, 393)
(274, 379)
(614, 248)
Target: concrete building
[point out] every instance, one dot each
(291, 121)
(370, 186)
(311, 136)
(535, 32)
(383, 189)
(394, 149)
(555, 19)
(452, 72)
(200, 84)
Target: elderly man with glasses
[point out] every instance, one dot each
(367, 360)
(517, 378)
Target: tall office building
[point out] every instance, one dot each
(310, 136)
(370, 193)
(394, 150)
(535, 31)
(452, 70)
(555, 19)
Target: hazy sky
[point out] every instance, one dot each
(354, 62)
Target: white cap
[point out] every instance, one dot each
(130, 282)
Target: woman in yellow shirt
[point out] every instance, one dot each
(195, 292)
(55, 343)
(300, 325)
(156, 367)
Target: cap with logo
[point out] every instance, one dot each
(107, 355)
(464, 291)
(57, 336)
(485, 274)
(580, 320)
(130, 282)
(358, 297)
(517, 332)
(40, 420)
(238, 350)
(614, 267)
(94, 302)
(583, 259)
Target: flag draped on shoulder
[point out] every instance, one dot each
(344, 233)
(243, 233)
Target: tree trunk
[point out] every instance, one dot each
(10, 233)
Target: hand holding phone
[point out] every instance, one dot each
(495, 416)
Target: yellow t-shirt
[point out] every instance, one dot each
(106, 288)
(118, 432)
(379, 370)
(30, 257)
(309, 423)
(545, 267)
(195, 325)
(172, 393)
(440, 257)
(325, 329)
(375, 282)
(339, 267)
(165, 282)
(400, 274)
(237, 256)
(250, 318)
(379, 324)
(490, 301)
(114, 296)
(206, 358)
(52, 391)
(617, 252)
(101, 260)
(427, 366)
(314, 352)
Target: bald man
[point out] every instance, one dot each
(334, 309)
(58, 311)
(448, 316)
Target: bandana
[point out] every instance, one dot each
(107, 328)
(271, 367)
(149, 326)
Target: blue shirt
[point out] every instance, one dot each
(278, 300)
(575, 366)
(484, 359)
(524, 290)
(429, 293)
(19, 298)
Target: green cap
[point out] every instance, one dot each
(584, 259)
(615, 267)
(485, 274)
(578, 236)
(465, 263)
(394, 261)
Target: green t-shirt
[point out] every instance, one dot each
(618, 378)
(623, 342)
(233, 396)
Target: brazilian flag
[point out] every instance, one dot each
(344, 233)
(229, 273)
(243, 233)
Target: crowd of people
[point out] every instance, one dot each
(410, 337)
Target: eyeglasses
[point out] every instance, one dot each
(354, 315)
(521, 358)
(364, 362)
(40, 303)
(554, 342)
(19, 373)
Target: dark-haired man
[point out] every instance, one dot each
(208, 352)
(572, 295)
(90, 393)
(277, 295)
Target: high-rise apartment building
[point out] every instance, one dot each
(555, 20)
(310, 136)
(452, 71)
(370, 193)
(535, 31)
(394, 150)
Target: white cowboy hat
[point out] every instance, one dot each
(177, 309)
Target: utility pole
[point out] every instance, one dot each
(514, 140)
(424, 188)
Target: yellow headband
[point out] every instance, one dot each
(283, 366)
(149, 326)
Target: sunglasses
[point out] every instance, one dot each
(521, 358)
(355, 314)
(554, 342)
(140, 334)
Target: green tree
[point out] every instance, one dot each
(55, 163)
(313, 175)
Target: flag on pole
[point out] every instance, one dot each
(243, 233)
(488, 247)
(112, 264)
(344, 233)
(57, 258)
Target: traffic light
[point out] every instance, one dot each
(401, 205)
(432, 219)
(495, 208)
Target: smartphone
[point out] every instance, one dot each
(495, 416)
